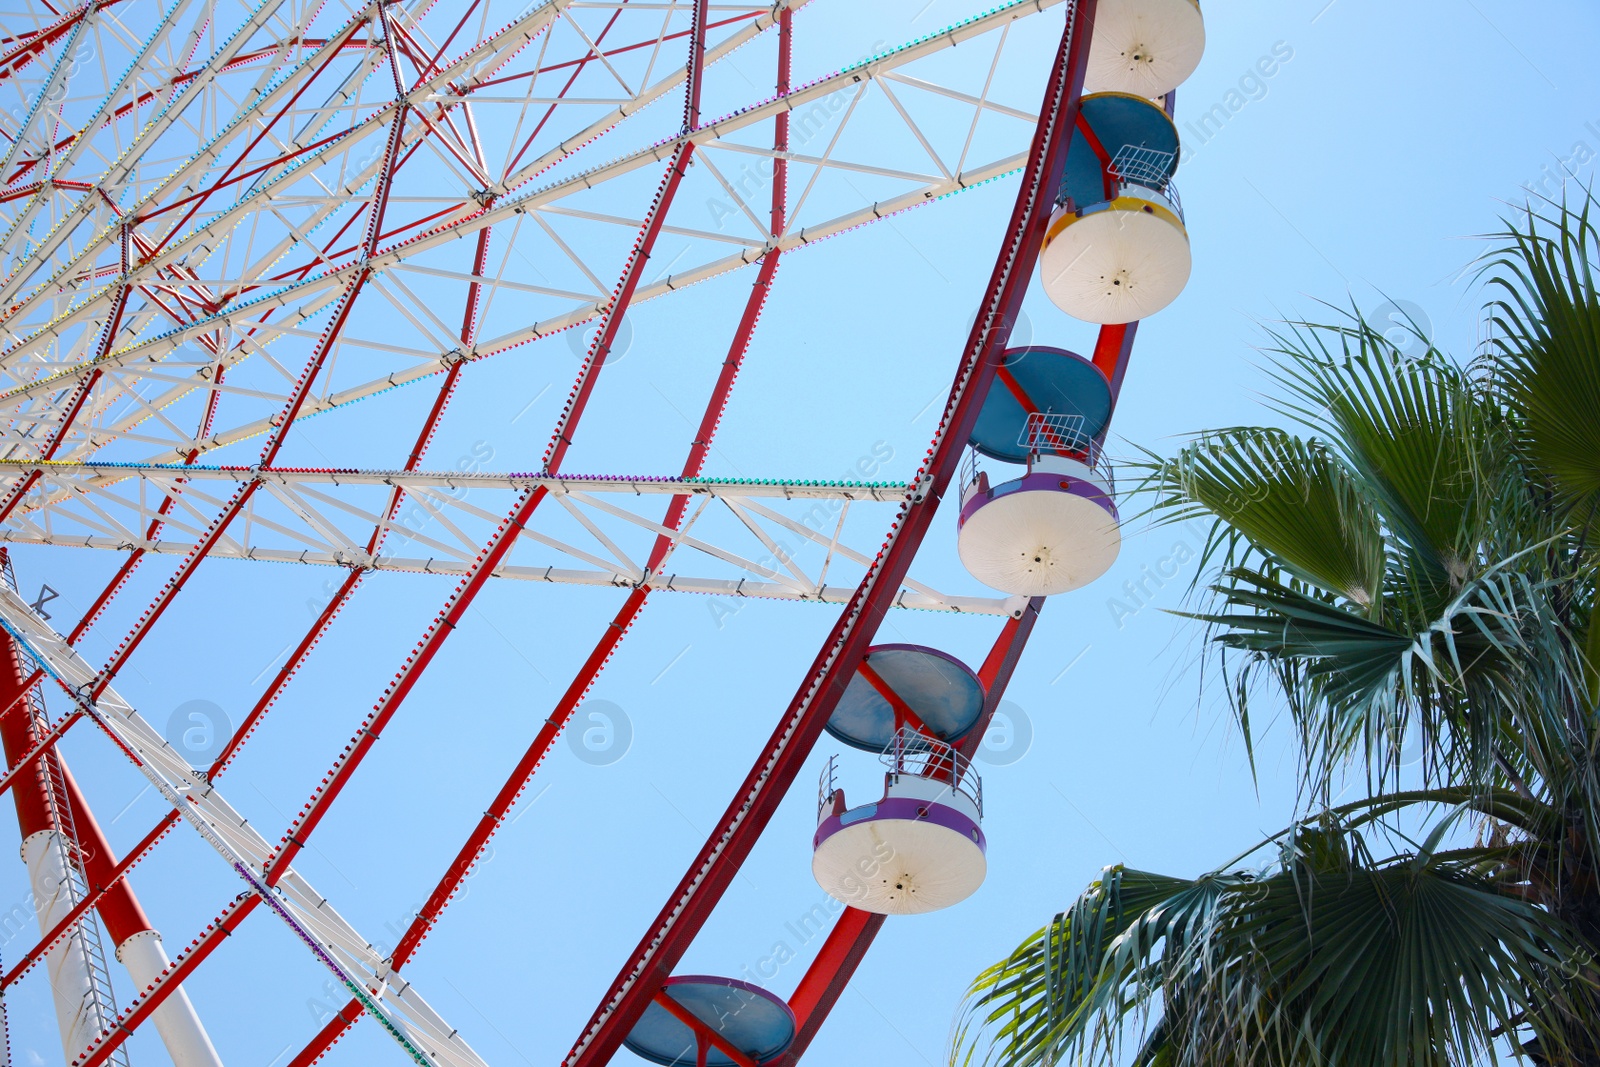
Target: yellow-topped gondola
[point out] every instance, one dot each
(1116, 249)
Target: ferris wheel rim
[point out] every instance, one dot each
(276, 864)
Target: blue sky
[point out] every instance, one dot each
(1357, 173)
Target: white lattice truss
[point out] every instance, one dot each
(352, 958)
(214, 290)
(772, 539)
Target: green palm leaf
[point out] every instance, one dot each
(1289, 498)
(1411, 430)
(1327, 957)
(1548, 351)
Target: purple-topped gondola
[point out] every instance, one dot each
(1055, 528)
(918, 848)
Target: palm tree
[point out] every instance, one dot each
(1415, 551)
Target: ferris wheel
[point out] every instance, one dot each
(220, 218)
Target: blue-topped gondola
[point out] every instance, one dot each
(906, 685)
(1111, 124)
(694, 1014)
(1040, 379)
(1055, 528)
(1116, 249)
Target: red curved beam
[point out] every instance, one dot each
(154, 997)
(854, 931)
(617, 629)
(698, 893)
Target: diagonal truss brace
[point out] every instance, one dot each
(316, 521)
(309, 915)
(303, 297)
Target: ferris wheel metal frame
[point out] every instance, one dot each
(114, 331)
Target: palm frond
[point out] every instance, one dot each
(1413, 431)
(1547, 348)
(1357, 687)
(1064, 985)
(1282, 496)
(1591, 656)
(1417, 549)
(1326, 957)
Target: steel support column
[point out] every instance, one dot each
(173, 977)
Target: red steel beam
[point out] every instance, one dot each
(853, 932)
(22, 693)
(242, 734)
(523, 772)
(703, 1035)
(119, 906)
(824, 981)
(20, 56)
(68, 921)
(275, 439)
(23, 54)
(137, 555)
(176, 80)
(150, 999)
(80, 394)
(735, 835)
(246, 728)
(518, 780)
(903, 715)
(265, 130)
(551, 109)
(154, 997)
(17, 735)
(466, 592)
(1111, 351)
(319, 627)
(490, 557)
(124, 572)
(578, 398)
(299, 832)
(617, 629)
(583, 388)
(998, 667)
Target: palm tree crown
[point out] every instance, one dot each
(1413, 553)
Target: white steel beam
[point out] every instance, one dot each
(301, 300)
(351, 957)
(324, 518)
